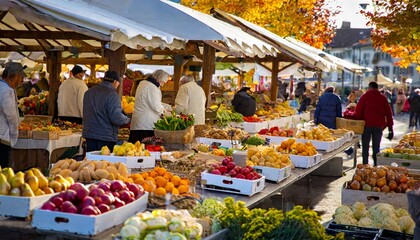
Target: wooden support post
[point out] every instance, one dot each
(117, 63)
(318, 89)
(241, 79)
(54, 70)
(93, 72)
(177, 71)
(274, 76)
(209, 55)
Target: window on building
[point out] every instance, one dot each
(410, 71)
(396, 70)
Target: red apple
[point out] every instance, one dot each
(82, 193)
(115, 194)
(88, 201)
(118, 203)
(134, 188)
(70, 209)
(48, 206)
(250, 168)
(96, 192)
(250, 176)
(97, 210)
(240, 176)
(125, 195)
(65, 205)
(69, 195)
(118, 185)
(230, 165)
(76, 186)
(98, 200)
(106, 199)
(245, 171)
(105, 186)
(88, 210)
(104, 208)
(225, 161)
(232, 173)
(217, 172)
(237, 169)
(57, 201)
(222, 169)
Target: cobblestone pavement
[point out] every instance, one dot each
(324, 193)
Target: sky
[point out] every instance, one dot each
(350, 11)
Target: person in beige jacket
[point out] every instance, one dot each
(191, 99)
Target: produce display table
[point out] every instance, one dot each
(73, 140)
(297, 174)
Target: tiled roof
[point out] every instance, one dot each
(347, 37)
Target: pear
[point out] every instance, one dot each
(39, 192)
(15, 192)
(105, 150)
(18, 180)
(27, 191)
(37, 172)
(4, 185)
(29, 174)
(48, 190)
(33, 182)
(56, 186)
(8, 172)
(66, 184)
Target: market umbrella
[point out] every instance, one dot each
(382, 80)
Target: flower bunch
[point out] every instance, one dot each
(34, 104)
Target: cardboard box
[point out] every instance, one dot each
(357, 126)
(369, 198)
(129, 161)
(44, 135)
(25, 134)
(11, 206)
(231, 185)
(274, 174)
(87, 225)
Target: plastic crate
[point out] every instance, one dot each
(353, 232)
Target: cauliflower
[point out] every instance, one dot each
(162, 234)
(365, 222)
(176, 236)
(136, 222)
(358, 206)
(406, 223)
(359, 214)
(390, 224)
(176, 225)
(345, 219)
(401, 212)
(129, 232)
(382, 210)
(194, 230)
(150, 236)
(343, 210)
(156, 222)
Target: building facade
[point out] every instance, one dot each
(354, 45)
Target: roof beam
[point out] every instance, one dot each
(2, 14)
(16, 48)
(44, 44)
(43, 35)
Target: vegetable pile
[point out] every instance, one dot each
(225, 116)
(253, 140)
(174, 122)
(252, 119)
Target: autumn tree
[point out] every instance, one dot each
(396, 29)
(306, 20)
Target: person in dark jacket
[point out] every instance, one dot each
(414, 101)
(328, 108)
(244, 103)
(102, 113)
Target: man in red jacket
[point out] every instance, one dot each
(374, 109)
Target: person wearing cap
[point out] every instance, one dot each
(11, 77)
(328, 108)
(148, 106)
(191, 99)
(70, 96)
(103, 113)
(374, 109)
(244, 103)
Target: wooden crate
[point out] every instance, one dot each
(357, 126)
(37, 118)
(25, 134)
(44, 135)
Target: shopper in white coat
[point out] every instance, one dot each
(191, 99)
(148, 106)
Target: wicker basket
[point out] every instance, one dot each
(181, 137)
(357, 126)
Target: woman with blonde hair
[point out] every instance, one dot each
(352, 97)
(400, 101)
(148, 105)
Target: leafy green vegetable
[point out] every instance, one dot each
(253, 140)
(225, 116)
(174, 122)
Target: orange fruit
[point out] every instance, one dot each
(130, 180)
(148, 187)
(184, 182)
(161, 171)
(160, 191)
(144, 175)
(150, 179)
(161, 181)
(156, 168)
(176, 180)
(183, 189)
(136, 175)
(139, 181)
(175, 191)
(139, 177)
(169, 187)
(168, 176)
(153, 174)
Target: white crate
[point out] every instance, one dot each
(223, 142)
(129, 161)
(11, 206)
(274, 174)
(305, 161)
(411, 164)
(370, 198)
(255, 127)
(232, 185)
(87, 225)
(322, 145)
